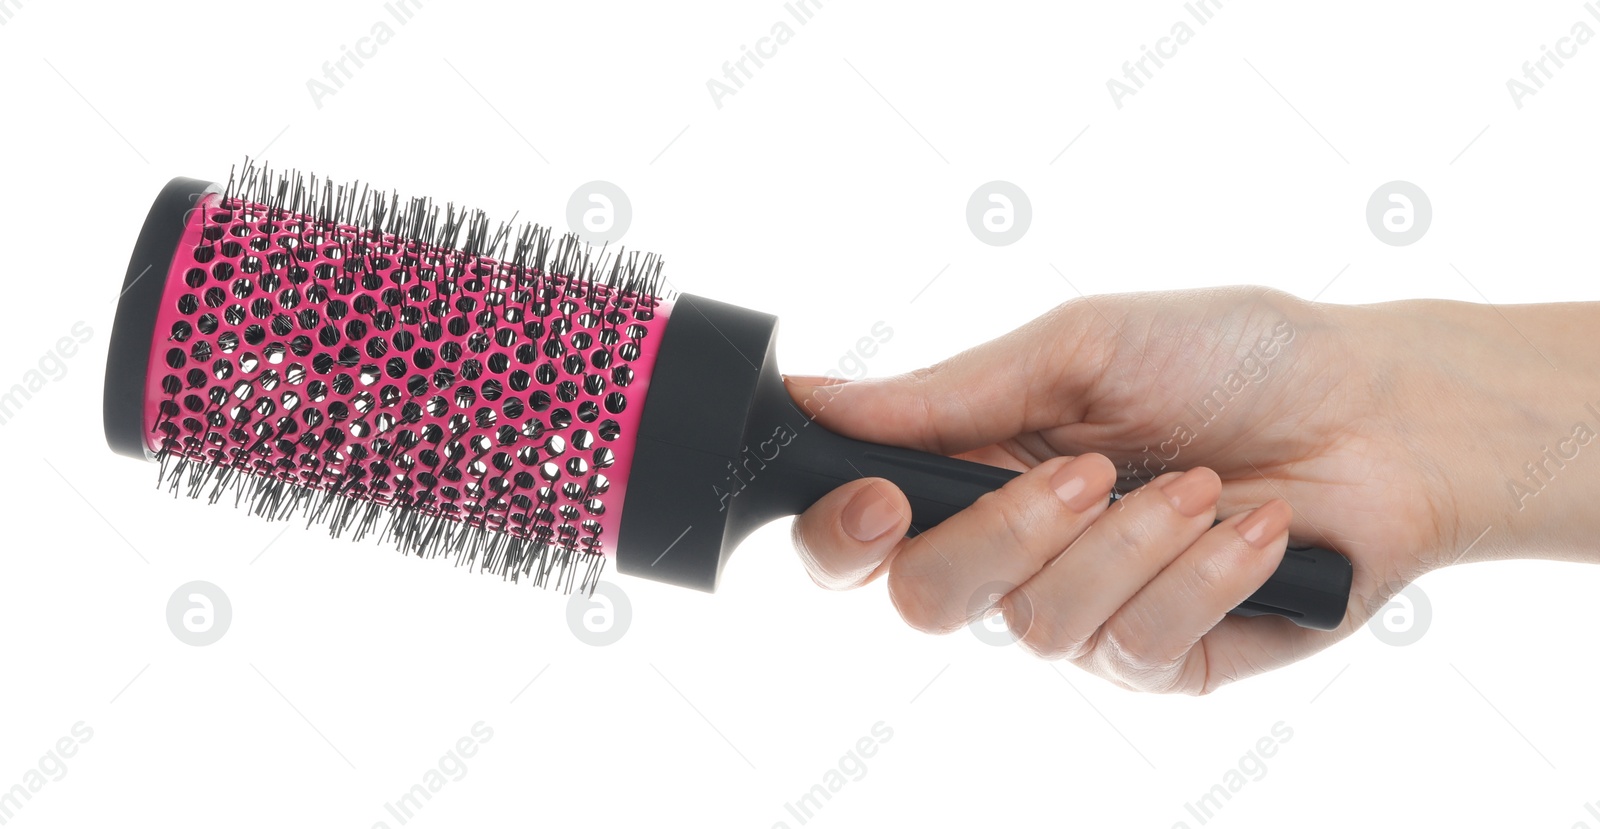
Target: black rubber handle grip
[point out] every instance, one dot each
(1310, 587)
(725, 449)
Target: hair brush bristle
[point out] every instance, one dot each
(452, 386)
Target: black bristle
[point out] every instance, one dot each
(480, 528)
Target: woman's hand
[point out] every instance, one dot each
(1354, 428)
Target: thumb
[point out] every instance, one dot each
(1028, 379)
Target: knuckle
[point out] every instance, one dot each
(1131, 648)
(1041, 650)
(920, 379)
(812, 554)
(1080, 322)
(1009, 521)
(916, 601)
(1123, 646)
(1127, 533)
(1076, 310)
(801, 539)
(1038, 643)
(1210, 576)
(920, 384)
(1042, 634)
(1277, 301)
(1047, 644)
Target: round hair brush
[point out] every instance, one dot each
(500, 395)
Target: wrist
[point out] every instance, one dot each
(1499, 407)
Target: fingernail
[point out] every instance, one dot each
(1083, 482)
(869, 515)
(1192, 493)
(1265, 523)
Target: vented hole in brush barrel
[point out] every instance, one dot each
(405, 372)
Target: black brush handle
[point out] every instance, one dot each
(722, 449)
(1311, 585)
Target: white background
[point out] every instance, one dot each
(831, 190)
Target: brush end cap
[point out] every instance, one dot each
(133, 329)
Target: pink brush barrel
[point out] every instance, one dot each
(339, 370)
